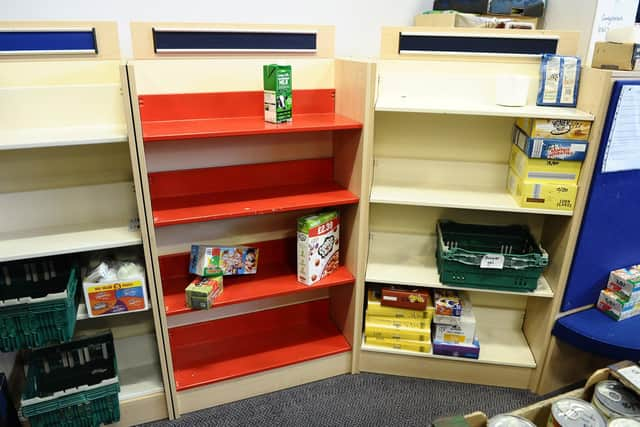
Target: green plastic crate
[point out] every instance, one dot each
(35, 308)
(469, 255)
(73, 384)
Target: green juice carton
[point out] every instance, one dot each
(202, 291)
(278, 101)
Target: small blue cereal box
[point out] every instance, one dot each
(546, 148)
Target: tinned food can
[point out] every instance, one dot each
(624, 422)
(572, 412)
(614, 400)
(506, 420)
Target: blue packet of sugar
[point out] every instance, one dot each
(559, 81)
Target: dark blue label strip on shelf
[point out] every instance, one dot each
(48, 41)
(185, 40)
(437, 43)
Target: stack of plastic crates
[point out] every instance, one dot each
(73, 384)
(488, 256)
(37, 303)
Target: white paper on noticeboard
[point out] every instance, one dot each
(623, 144)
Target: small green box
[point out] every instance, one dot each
(278, 100)
(202, 291)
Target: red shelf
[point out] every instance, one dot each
(211, 115)
(276, 276)
(198, 195)
(236, 346)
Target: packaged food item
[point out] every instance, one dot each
(544, 170)
(617, 307)
(229, 260)
(614, 400)
(447, 303)
(202, 291)
(375, 330)
(470, 351)
(626, 282)
(616, 56)
(462, 332)
(318, 246)
(547, 148)
(115, 288)
(375, 308)
(544, 195)
(414, 299)
(571, 412)
(628, 373)
(408, 345)
(559, 81)
(400, 323)
(278, 99)
(555, 128)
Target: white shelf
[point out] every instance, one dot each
(501, 340)
(449, 184)
(56, 137)
(64, 240)
(390, 262)
(437, 105)
(138, 367)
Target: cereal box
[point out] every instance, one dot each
(447, 303)
(413, 299)
(375, 308)
(115, 297)
(544, 170)
(375, 330)
(202, 291)
(626, 282)
(544, 195)
(555, 128)
(457, 330)
(318, 246)
(617, 307)
(230, 260)
(559, 80)
(548, 148)
(471, 351)
(409, 345)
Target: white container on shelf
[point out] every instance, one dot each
(512, 90)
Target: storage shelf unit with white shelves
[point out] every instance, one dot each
(441, 151)
(66, 180)
(213, 172)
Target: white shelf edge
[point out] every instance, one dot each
(427, 276)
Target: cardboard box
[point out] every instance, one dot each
(398, 344)
(469, 351)
(375, 308)
(229, 260)
(447, 303)
(414, 299)
(375, 330)
(616, 56)
(546, 148)
(541, 195)
(400, 323)
(116, 297)
(626, 282)
(318, 246)
(616, 307)
(543, 170)
(202, 292)
(278, 99)
(462, 331)
(462, 308)
(555, 128)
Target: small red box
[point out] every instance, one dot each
(414, 299)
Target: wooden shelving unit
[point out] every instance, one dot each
(67, 182)
(441, 151)
(214, 172)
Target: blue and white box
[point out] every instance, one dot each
(546, 148)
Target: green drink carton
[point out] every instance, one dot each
(202, 291)
(278, 101)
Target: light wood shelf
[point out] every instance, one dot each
(409, 259)
(449, 184)
(60, 137)
(501, 340)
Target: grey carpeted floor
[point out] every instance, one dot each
(360, 400)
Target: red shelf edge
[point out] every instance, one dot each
(327, 282)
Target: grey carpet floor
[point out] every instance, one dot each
(360, 400)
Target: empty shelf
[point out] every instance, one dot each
(57, 137)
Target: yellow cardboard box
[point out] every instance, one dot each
(374, 330)
(544, 170)
(398, 322)
(542, 195)
(398, 344)
(375, 308)
(555, 128)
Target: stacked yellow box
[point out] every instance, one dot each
(397, 328)
(545, 163)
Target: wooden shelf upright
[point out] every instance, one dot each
(441, 151)
(66, 181)
(214, 172)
